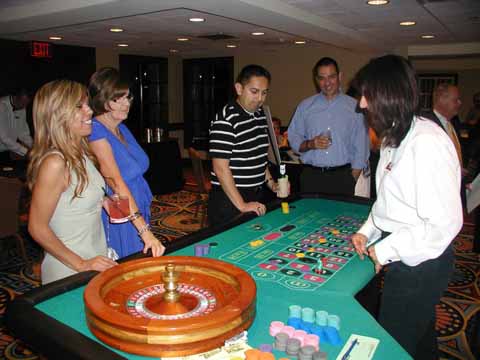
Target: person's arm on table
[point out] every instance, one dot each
(367, 232)
(51, 182)
(225, 177)
(113, 177)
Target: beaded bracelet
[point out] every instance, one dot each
(144, 229)
(135, 216)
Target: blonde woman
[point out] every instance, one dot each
(67, 189)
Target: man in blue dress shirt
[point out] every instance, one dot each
(330, 135)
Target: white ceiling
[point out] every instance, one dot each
(152, 26)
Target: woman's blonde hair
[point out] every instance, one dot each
(54, 109)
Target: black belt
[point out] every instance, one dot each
(256, 189)
(328, 168)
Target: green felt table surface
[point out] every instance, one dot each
(275, 291)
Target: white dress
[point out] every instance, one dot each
(78, 224)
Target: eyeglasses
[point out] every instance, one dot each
(129, 97)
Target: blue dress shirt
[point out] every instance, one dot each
(350, 142)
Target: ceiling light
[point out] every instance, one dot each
(428, 36)
(173, 50)
(55, 38)
(116, 30)
(258, 33)
(408, 23)
(195, 19)
(231, 46)
(122, 45)
(183, 39)
(300, 42)
(377, 2)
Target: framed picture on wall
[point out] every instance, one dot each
(427, 83)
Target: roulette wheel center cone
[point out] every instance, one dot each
(184, 304)
(171, 302)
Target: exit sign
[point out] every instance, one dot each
(41, 49)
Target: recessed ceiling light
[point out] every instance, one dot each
(182, 39)
(231, 46)
(55, 37)
(428, 36)
(258, 33)
(122, 45)
(408, 23)
(115, 30)
(377, 2)
(300, 42)
(173, 50)
(196, 19)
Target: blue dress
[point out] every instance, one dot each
(132, 163)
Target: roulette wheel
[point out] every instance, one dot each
(170, 306)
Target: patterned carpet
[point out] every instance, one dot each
(458, 323)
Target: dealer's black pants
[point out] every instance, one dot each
(407, 309)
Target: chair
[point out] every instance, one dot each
(202, 183)
(10, 189)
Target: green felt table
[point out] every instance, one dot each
(276, 290)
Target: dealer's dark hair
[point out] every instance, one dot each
(250, 71)
(389, 85)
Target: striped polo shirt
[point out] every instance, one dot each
(242, 138)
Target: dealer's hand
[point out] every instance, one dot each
(360, 243)
(373, 256)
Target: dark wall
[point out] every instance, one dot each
(148, 78)
(207, 87)
(18, 68)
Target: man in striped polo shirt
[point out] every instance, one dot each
(238, 148)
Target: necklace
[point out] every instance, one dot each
(113, 129)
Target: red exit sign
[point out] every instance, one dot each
(40, 49)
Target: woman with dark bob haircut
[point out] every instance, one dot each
(122, 163)
(418, 211)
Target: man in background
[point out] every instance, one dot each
(15, 138)
(330, 135)
(446, 104)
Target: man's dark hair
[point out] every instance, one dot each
(389, 85)
(21, 91)
(325, 61)
(250, 71)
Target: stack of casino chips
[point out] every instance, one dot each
(202, 249)
(326, 326)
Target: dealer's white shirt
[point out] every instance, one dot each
(418, 197)
(13, 127)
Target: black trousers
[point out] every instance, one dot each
(335, 182)
(407, 309)
(220, 208)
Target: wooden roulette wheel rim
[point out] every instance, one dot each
(230, 308)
